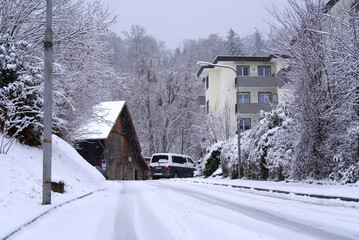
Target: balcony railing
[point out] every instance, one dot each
(253, 108)
(258, 82)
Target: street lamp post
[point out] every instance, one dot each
(208, 64)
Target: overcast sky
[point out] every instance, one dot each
(172, 21)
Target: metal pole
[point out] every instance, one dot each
(46, 180)
(238, 129)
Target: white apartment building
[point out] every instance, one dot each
(261, 85)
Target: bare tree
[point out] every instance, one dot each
(320, 57)
(219, 124)
(82, 76)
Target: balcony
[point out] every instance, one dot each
(253, 108)
(258, 82)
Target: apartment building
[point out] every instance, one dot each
(258, 83)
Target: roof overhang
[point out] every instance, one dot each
(203, 71)
(242, 59)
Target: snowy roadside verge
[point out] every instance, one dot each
(326, 194)
(21, 182)
(46, 212)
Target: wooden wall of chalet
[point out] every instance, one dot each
(124, 159)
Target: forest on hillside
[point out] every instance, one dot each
(92, 64)
(316, 135)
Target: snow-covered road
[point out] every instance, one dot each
(177, 210)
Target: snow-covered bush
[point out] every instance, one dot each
(268, 147)
(20, 94)
(344, 172)
(211, 161)
(229, 158)
(349, 174)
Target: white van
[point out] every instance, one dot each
(171, 165)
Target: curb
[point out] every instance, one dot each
(347, 199)
(48, 211)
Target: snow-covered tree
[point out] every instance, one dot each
(258, 44)
(82, 76)
(233, 44)
(161, 93)
(320, 48)
(255, 45)
(219, 126)
(20, 94)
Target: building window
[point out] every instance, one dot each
(274, 98)
(267, 97)
(264, 71)
(207, 106)
(244, 123)
(207, 82)
(243, 97)
(243, 71)
(264, 97)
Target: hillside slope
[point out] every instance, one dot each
(21, 181)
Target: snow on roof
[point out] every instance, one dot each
(100, 127)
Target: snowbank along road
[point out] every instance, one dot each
(177, 210)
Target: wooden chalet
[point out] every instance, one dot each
(111, 142)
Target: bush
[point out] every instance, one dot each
(234, 171)
(212, 163)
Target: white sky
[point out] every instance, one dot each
(172, 21)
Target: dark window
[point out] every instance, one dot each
(264, 71)
(207, 106)
(177, 159)
(156, 158)
(264, 97)
(243, 71)
(190, 160)
(243, 97)
(207, 82)
(245, 123)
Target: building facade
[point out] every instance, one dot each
(111, 142)
(258, 82)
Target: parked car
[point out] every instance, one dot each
(171, 165)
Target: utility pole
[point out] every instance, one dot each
(46, 177)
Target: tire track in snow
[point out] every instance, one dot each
(258, 214)
(134, 218)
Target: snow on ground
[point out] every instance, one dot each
(176, 210)
(156, 209)
(322, 188)
(21, 181)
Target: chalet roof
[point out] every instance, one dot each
(101, 127)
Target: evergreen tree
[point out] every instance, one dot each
(20, 94)
(259, 44)
(233, 44)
